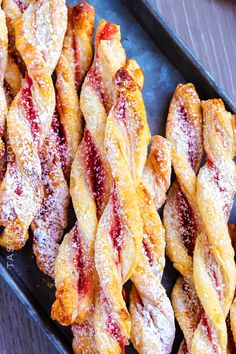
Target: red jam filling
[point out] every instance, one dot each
(95, 80)
(59, 130)
(76, 62)
(114, 330)
(124, 294)
(207, 328)
(81, 263)
(108, 32)
(18, 190)
(95, 170)
(31, 112)
(76, 12)
(216, 171)
(184, 348)
(148, 252)
(3, 165)
(20, 4)
(188, 131)
(116, 224)
(112, 327)
(188, 223)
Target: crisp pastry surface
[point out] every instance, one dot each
(119, 236)
(73, 124)
(181, 215)
(29, 118)
(75, 276)
(152, 318)
(64, 136)
(182, 219)
(214, 266)
(202, 296)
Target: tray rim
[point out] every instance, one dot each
(16, 285)
(186, 54)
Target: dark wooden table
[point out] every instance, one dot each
(208, 27)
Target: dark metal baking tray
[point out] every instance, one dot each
(165, 61)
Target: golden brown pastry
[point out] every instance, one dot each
(152, 317)
(120, 230)
(64, 136)
(15, 65)
(29, 118)
(182, 219)
(214, 267)
(90, 182)
(74, 62)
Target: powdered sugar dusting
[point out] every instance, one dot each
(189, 133)
(157, 331)
(51, 220)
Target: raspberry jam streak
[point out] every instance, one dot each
(82, 263)
(187, 222)
(31, 112)
(95, 170)
(189, 132)
(116, 231)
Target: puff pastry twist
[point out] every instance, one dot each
(75, 61)
(153, 327)
(15, 65)
(63, 139)
(120, 231)
(182, 220)
(214, 267)
(3, 103)
(90, 182)
(29, 117)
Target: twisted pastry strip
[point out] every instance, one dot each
(120, 231)
(181, 215)
(29, 118)
(14, 10)
(90, 182)
(84, 335)
(15, 65)
(61, 143)
(214, 267)
(3, 104)
(51, 220)
(152, 316)
(75, 60)
(182, 220)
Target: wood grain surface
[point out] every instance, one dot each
(208, 27)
